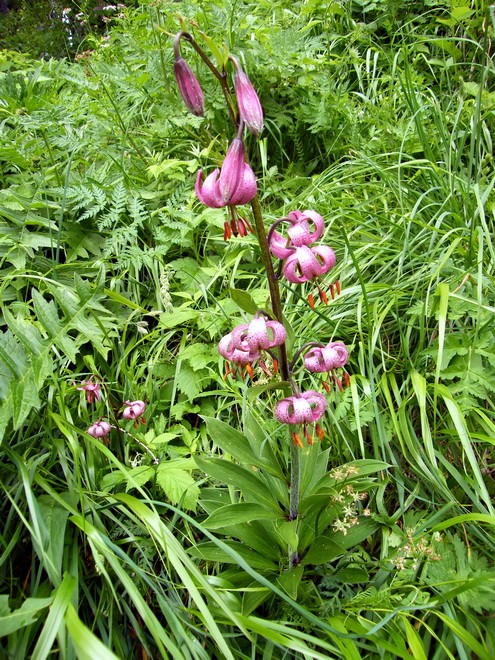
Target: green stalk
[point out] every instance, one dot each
(295, 459)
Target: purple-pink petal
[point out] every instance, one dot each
(232, 170)
(209, 193)
(249, 104)
(189, 87)
(133, 409)
(293, 410)
(326, 358)
(301, 230)
(99, 429)
(317, 402)
(246, 189)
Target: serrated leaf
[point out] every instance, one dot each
(178, 485)
(138, 476)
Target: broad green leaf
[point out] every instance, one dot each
(209, 551)
(323, 550)
(244, 300)
(290, 580)
(25, 615)
(54, 516)
(234, 514)
(237, 445)
(248, 482)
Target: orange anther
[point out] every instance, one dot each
(311, 300)
(337, 286)
(250, 370)
(332, 291)
(323, 296)
(326, 385)
(347, 379)
(320, 432)
(297, 440)
(275, 367)
(227, 232)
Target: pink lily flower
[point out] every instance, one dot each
(232, 353)
(99, 429)
(258, 335)
(299, 233)
(209, 192)
(326, 358)
(133, 409)
(306, 263)
(92, 390)
(305, 408)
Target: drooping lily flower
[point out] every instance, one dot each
(258, 335)
(299, 233)
(233, 185)
(326, 358)
(305, 408)
(229, 350)
(99, 429)
(189, 87)
(306, 263)
(133, 409)
(92, 390)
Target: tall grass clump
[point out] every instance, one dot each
(175, 528)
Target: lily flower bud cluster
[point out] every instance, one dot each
(303, 260)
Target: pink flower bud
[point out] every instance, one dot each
(189, 87)
(133, 409)
(304, 408)
(326, 358)
(99, 429)
(248, 102)
(306, 263)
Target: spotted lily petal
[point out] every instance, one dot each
(325, 358)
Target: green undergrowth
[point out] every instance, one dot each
(379, 116)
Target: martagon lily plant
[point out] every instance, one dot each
(302, 258)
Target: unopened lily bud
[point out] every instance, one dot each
(249, 104)
(189, 87)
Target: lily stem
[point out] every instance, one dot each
(295, 460)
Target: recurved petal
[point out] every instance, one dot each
(293, 410)
(317, 402)
(208, 193)
(280, 247)
(325, 257)
(302, 266)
